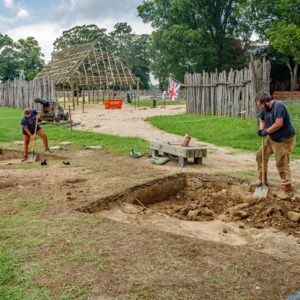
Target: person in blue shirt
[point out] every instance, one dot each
(28, 126)
(275, 122)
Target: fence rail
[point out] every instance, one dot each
(20, 93)
(227, 94)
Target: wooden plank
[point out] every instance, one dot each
(187, 152)
(286, 95)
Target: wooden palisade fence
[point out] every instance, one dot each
(20, 93)
(227, 94)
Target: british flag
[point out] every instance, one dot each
(173, 89)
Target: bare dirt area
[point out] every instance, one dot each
(123, 228)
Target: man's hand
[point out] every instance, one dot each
(33, 137)
(262, 132)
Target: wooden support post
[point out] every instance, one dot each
(77, 94)
(70, 117)
(64, 96)
(93, 94)
(138, 92)
(72, 91)
(89, 99)
(103, 93)
(98, 94)
(83, 99)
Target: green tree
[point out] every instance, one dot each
(30, 57)
(81, 35)
(278, 22)
(125, 45)
(24, 55)
(192, 35)
(132, 49)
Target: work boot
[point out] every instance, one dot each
(286, 193)
(24, 158)
(258, 182)
(48, 150)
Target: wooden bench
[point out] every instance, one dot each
(286, 95)
(183, 153)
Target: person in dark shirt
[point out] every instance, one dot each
(28, 126)
(275, 122)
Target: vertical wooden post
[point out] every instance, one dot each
(72, 91)
(93, 94)
(77, 93)
(103, 93)
(70, 117)
(64, 96)
(89, 99)
(55, 95)
(138, 92)
(83, 99)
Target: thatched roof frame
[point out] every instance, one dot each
(88, 65)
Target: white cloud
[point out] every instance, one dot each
(23, 14)
(95, 10)
(45, 33)
(9, 4)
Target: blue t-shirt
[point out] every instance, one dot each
(278, 110)
(30, 122)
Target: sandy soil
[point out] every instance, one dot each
(131, 121)
(216, 220)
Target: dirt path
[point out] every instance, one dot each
(131, 121)
(194, 244)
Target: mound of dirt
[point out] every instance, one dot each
(205, 201)
(194, 197)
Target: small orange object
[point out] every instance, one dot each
(163, 104)
(114, 103)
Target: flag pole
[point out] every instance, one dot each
(182, 84)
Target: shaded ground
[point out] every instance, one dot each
(213, 240)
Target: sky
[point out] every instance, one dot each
(45, 20)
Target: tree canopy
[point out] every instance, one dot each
(130, 48)
(192, 35)
(278, 22)
(24, 55)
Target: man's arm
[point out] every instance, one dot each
(276, 126)
(262, 124)
(27, 131)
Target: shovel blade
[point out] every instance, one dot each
(31, 157)
(261, 191)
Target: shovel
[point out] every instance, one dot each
(262, 190)
(32, 156)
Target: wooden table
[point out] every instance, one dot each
(174, 149)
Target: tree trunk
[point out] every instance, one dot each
(293, 73)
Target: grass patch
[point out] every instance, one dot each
(10, 130)
(245, 175)
(16, 282)
(149, 102)
(222, 131)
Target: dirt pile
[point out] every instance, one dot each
(194, 197)
(232, 201)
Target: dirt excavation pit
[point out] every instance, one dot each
(14, 157)
(211, 207)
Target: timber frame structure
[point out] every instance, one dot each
(89, 66)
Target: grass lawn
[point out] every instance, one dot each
(10, 130)
(149, 102)
(222, 131)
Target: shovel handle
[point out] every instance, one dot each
(36, 121)
(263, 158)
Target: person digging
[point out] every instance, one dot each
(275, 122)
(28, 122)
